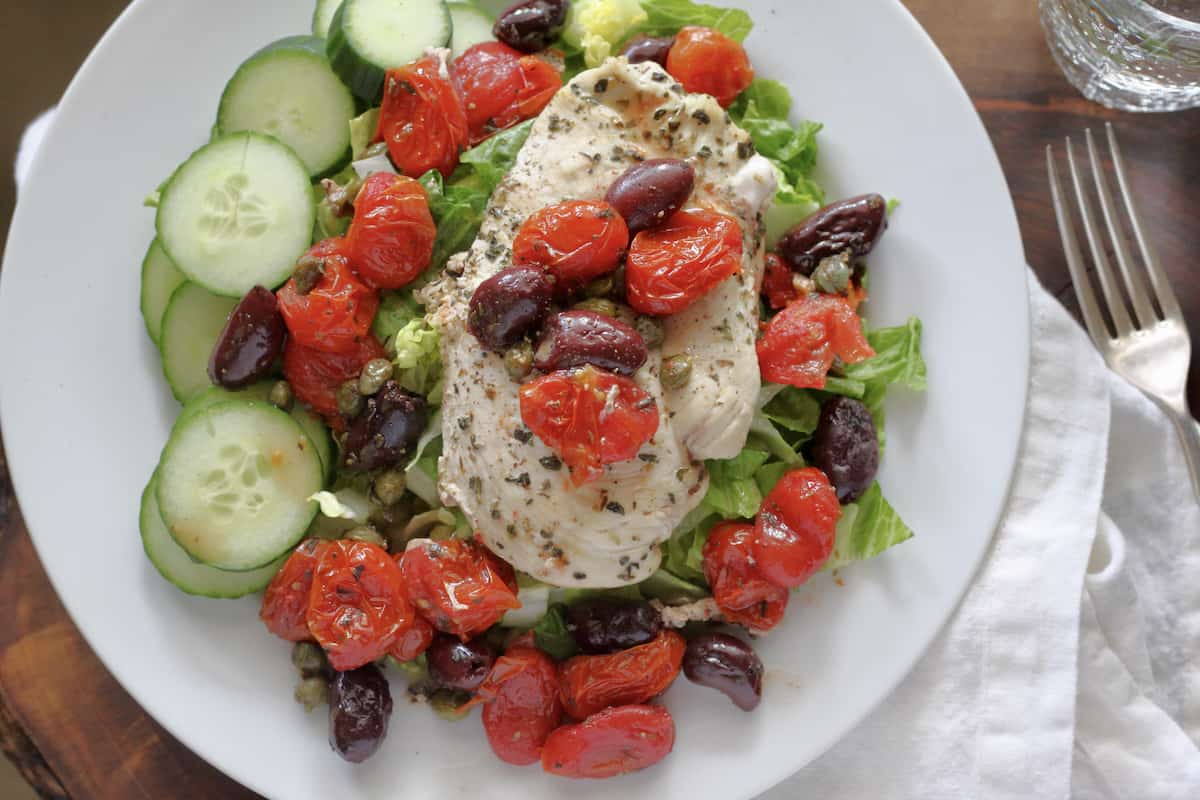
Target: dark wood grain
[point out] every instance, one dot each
(75, 733)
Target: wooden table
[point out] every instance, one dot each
(75, 733)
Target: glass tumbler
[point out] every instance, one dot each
(1135, 55)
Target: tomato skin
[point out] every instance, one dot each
(501, 86)
(315, 376)
(592, 683)
(521, 705)
(414, 641)
(611, 742)
(777, 286)
(339, 309)
(744, 595)
(673, 265)
(422, 119)
(575, 241)
(796, 527)
(390, 240)
(707, 61)
(801, 342)
(589, 418)
(458, 586)
(357, 605)
(285, 603)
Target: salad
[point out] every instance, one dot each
(521, 357)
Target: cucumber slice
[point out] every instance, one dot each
(471, 24)
(288, 91)
(160, 279)
(310, 423)
(323, 15)
(190, 327)
(368, 37)
(234, 483)
(178, 567)
(237, 213)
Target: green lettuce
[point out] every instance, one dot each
(396, 309)
(897, 357)
(732, 490)
(551, 634)
(418, 360)
(666, 17)
(867, 528)
(362, 131)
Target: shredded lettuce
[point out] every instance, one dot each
(867, 528)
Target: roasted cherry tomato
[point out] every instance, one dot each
(285, 604)
(315, 376)
(422, 119)
(707, 61)
(357, 606)
(673, 265)
(337, 311)
(576, 241)
(801, 341)
(589, 418)
(459, 586)
(501, 86)
(744, 595)
(610, 743)
(391, 237)
(777, 286)
(795, 527)
(591, 683)
(413, 642)
(521, 705)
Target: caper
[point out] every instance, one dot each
(676, 370)
(651, 331)
(601, 287)
(308, 273)
(375, 373)
(448, 704)
(389, 487)
(441, 533)
(365, 533)
(518, 360)
(598, 305)
(308, 658)
(281, 395)
(832, 275)
(312, 692)
(349, 401)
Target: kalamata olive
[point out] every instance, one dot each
(360, 703)
(455, 664)
(846, 447)
(602, 625)
(853, 225)
(647, 193)
(249, 343)
(386, 430)
(727, 664)
(531, 25)
(574, 338)
(508, 305)
(648, 48)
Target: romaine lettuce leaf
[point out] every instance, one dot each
(666, 17)
(551, 634)
(867, 528)
(597, 27)
(897, 357)
(732, 491)
(418, 360)
(396, 309)
(362, 131)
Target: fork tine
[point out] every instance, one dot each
(1092, 317)
(1134, 285)
(1112, 295)
(1158, 279)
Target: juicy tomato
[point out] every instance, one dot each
(521, 705)
(501, 86)
(422, 119)
(777, 286)
(285, 604)
(591, 683)
(742, 592)
(357, 606)
(673, 265)
(801, 341)
(707, 61)
(413, 642)
(610, 743)
(315, 376)
(576, 241)
(589, 418)
(459, 586)
(796, 526)
(391, 237)
(337, 312)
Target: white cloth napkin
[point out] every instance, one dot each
(1072, 667)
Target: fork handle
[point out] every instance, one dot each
(1189, 435)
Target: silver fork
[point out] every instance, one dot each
(1151, 349)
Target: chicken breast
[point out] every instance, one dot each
(510, 485)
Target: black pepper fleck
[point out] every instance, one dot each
(553, 463)
(700, 116)
(523, 435)
(521, 480)
(615, 507)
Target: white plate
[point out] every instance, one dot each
(86, 411)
